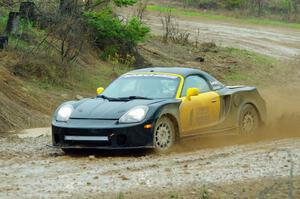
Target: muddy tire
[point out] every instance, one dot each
(164, 134)
(248, 120)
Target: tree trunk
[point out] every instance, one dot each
(67, 7)
(28, 11)
(3, 42)
(260, 5)
(12, 23)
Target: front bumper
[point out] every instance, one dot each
(101, 134)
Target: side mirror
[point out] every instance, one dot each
(100, 90)
(192, 92)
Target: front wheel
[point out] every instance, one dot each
(164, 134)
(248, 120)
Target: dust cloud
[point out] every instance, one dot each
(282, 95)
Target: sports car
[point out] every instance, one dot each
(154, 108)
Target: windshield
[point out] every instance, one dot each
(154, 86)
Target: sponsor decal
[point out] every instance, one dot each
(216, 85)
(150, 75)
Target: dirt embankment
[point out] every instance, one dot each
(31, 88)
(19, 105)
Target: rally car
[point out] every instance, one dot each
(154, 108)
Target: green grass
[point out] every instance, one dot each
(212, 16)
(257, 68)
(98, 76)
(27, 29)
(254, 57)
(79, 81)
(3, 22)
(120, 196)
(15, 42)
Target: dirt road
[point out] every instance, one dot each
(276, 42)
(31, 170)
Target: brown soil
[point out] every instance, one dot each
(28, 101)
(20, 106)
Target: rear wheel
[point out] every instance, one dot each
(248, 120)
(164, 134)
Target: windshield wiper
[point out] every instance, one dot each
(134, 98)
(123, 98)
(107, 98)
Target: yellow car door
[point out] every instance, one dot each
(202, 109)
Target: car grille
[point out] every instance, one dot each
(113, 138)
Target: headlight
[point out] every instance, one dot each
(134, 115)
(64, 113)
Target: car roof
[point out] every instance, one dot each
(174, 70)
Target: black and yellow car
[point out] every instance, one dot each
(154, 108)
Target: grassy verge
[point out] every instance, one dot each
(78, 80)
(213, 16)
(252, 68)
(99, 76)
(229, 65)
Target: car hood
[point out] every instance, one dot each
(99, 108)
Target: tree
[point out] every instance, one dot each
(141, 8)
(94, 20)
(258, 6)
(114, 37)
(92, 4)
(68, 6)
(294, 9)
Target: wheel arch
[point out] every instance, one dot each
(171, 110)
(175, 122)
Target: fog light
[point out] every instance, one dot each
(148, 126)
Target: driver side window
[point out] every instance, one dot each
(195, 82)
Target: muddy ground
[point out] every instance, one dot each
(216, 166)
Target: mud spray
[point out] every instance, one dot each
(283, 102)
(282, 95)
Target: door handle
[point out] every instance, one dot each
(213, 101)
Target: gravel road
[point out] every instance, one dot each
(29, 169)
(276, 42)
